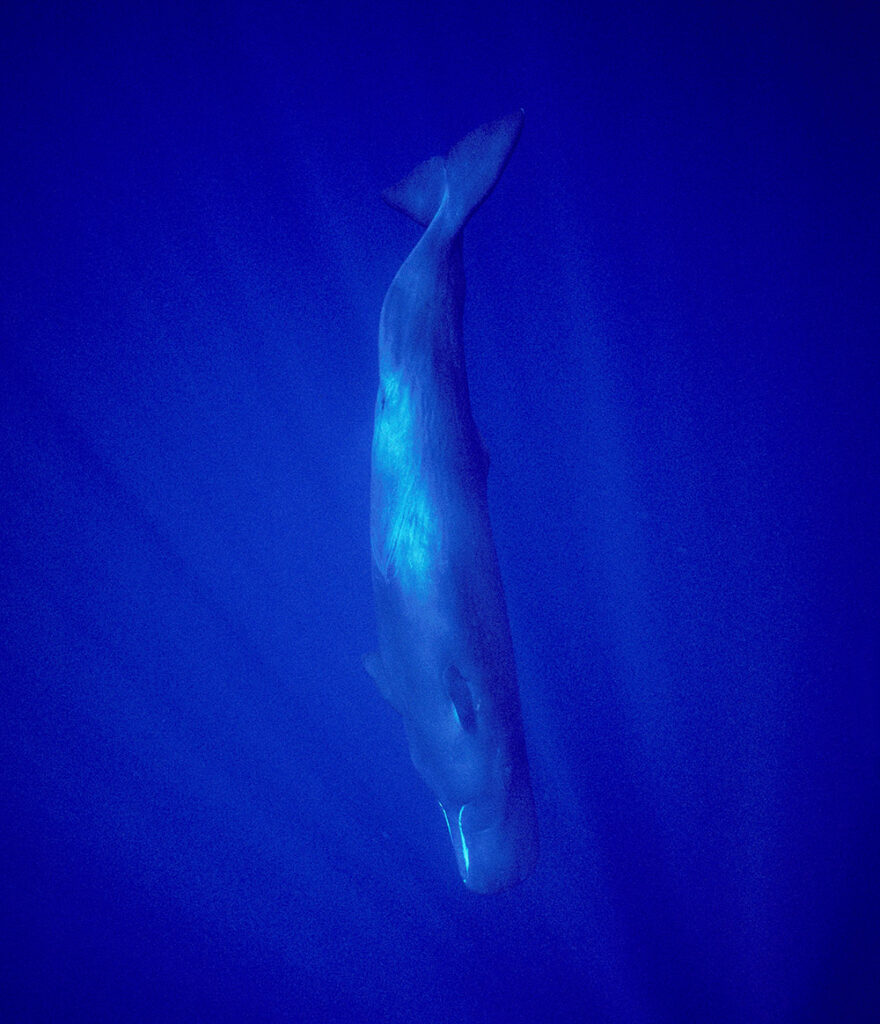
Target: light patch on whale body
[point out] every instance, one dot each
(464, 847)
(410, 526)
(459, 842)
(445, 658)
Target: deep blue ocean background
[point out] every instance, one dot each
(208, 812)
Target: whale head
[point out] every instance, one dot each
(472, 755)
(495, 842)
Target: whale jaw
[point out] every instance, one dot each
(498, 855)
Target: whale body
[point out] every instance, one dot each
(445, 659)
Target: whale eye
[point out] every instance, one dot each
(462, 702)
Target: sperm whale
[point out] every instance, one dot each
(445, 658)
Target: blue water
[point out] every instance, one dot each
(208, 812)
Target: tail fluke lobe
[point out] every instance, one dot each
(420, 193)
(464, 178)
(474, 165)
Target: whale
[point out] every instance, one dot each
(445, 657)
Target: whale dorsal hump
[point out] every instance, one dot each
(460, 695)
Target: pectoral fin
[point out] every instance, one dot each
(375, 668)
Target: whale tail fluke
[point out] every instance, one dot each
(419, 194)
(464, 178)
